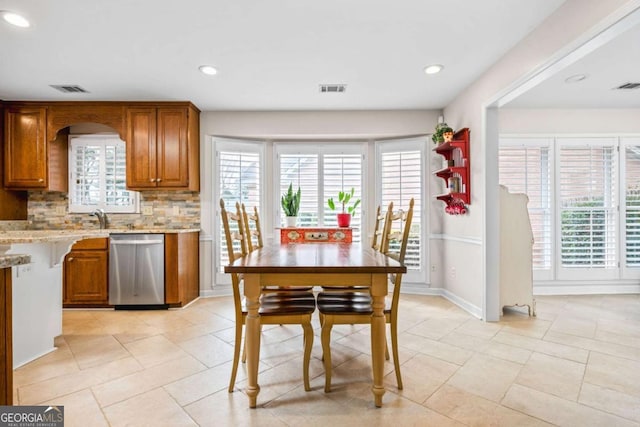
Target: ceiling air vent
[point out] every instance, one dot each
(69, 88)
(629, 86)
(333, 88)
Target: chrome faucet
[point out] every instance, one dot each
(102, 217)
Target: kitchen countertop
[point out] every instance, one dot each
(37, 236)
(7, 261)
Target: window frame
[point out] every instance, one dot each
(221, 144)
(75, 140)
(320, 148)
(419, 144)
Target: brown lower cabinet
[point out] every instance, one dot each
(6, 349)
(86, 271)
(86, 274)
(181, 268)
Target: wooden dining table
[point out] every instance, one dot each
(326, 264)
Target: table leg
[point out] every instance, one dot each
(378, 335)
(252, 331)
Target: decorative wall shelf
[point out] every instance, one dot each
(456, 176)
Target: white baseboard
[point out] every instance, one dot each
(586, 289)
(422, 289)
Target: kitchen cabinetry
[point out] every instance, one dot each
(13, 204)
(163, 147)
(456, 174)
(31, 162)
(86, 274)
(181, 270)
(6, 347)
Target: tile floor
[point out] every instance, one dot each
(576, 364)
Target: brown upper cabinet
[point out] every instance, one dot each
(162, 148)
(163, 142)
(31, 161)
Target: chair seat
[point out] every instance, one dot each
(347, 303)
(285, 303)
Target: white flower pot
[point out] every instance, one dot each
(290, 221)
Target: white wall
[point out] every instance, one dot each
(554, 121)
(298, 125)
(561, 33)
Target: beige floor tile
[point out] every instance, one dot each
(533, 344)
(80, 409)
(573, 325)
(154, 350)
(94, 350)
(194, 387)
(507, 352)
(462, 340)
(422, 375)
(60, 386)
(480, 329)
(552, 375)
(486, 376)
(232, 409)
(456, 379)
(534, 327)
(209, 350)
(474, 410)
(611, 401)
(441, 350)
(615, 373)
(154, 408)
(558, 411)
(598, 345)
(436, 328)
(140, 382)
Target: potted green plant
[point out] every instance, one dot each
(290, 202)
(442, 133)
(344, 197)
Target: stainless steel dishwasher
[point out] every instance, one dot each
(136, 271)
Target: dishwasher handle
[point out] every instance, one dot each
(136, 242)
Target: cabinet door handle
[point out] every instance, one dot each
(70, 259)
(152, 180)
(158, 179)
(41, 180)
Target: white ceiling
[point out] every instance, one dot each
(606, 68)
(271, 55)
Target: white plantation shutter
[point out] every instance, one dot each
(526, 168)
(342, 172)
(301, 170)
(240, 181)
(587, 203)
(97, 165)
(632, 201)
(400, 178)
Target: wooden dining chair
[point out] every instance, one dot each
(276, 308)
(252, 228)
(378, 234)
(347, 308)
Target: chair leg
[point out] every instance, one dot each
(236, 356)
(327, 324)
(394, 348)
(386, 351)
(308, 345)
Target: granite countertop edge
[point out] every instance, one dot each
(7, 261)
(40, 236)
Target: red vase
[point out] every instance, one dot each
(344, 219)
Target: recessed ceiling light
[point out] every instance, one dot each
(209, 70)
(575, 78)
(433, 69)
(15, 19)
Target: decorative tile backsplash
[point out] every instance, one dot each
(170, 209)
